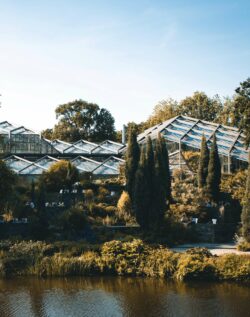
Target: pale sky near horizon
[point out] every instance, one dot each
(123, 55)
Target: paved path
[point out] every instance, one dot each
(214, 248)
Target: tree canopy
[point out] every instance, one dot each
(245, 216)
(82, 120)
(242, 108)
(202, 107)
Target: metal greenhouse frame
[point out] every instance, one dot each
(182, 133)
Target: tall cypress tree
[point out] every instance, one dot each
(165, 168)
(245, 216)
(214, 172)
(159, 189)
(142, 194)
(150, 174)
(132, 161)
(203, 163)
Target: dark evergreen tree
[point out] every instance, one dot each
(203, 163)
(32, 194)
(132, 161)
(41, 197)
(166, 175)
(245, 216)
(141, 193)
(214, 172)
(159, 198)
(150, 174)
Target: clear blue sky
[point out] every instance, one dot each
(123, 55)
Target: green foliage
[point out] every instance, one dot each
(233, 267)
(132, 258)
(235, 184)
(162, 160)
(202, 107)
(122, 258)
(195, 264)
(244, 246)
(61, 175)
(59, 265)
(141, 193)
(245, 216)
(132, 161)
(74, 220)
(159, 262)
(214, 172)
(124, 204)
(124, 209)
(7, 182)
(82, 120)
(242, 108)
(203, 163)
(164, 110)
(150, 175)
(192, 159)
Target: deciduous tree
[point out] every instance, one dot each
(82, 120)
(200, 106)
(242, 108)
(245, 216)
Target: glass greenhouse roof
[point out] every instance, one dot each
(85, 164)
(111, 166)
(16, 163)
(82, 147)
(189, 131)
(8, 128)
(21, 135)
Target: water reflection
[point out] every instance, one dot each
(120, 297)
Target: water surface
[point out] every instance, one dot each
(121, 297)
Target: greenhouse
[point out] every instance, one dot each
(20, 140)
(184, 133)
(24, 167)
(27, 153)
(83, 147)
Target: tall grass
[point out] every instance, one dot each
(133, 258)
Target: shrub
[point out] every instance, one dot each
(98, 210)
(61, 174)
(123, 258)
(111, 210)
(201, 252)
(194, 266)
(233, 267)
(159, 262)
(74, 220)
(124, 204)
(102, 194)
(89, 196)
(244, 246)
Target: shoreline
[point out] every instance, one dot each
(116, 258)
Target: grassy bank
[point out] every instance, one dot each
(133, 258)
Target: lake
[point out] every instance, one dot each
(95, 296)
